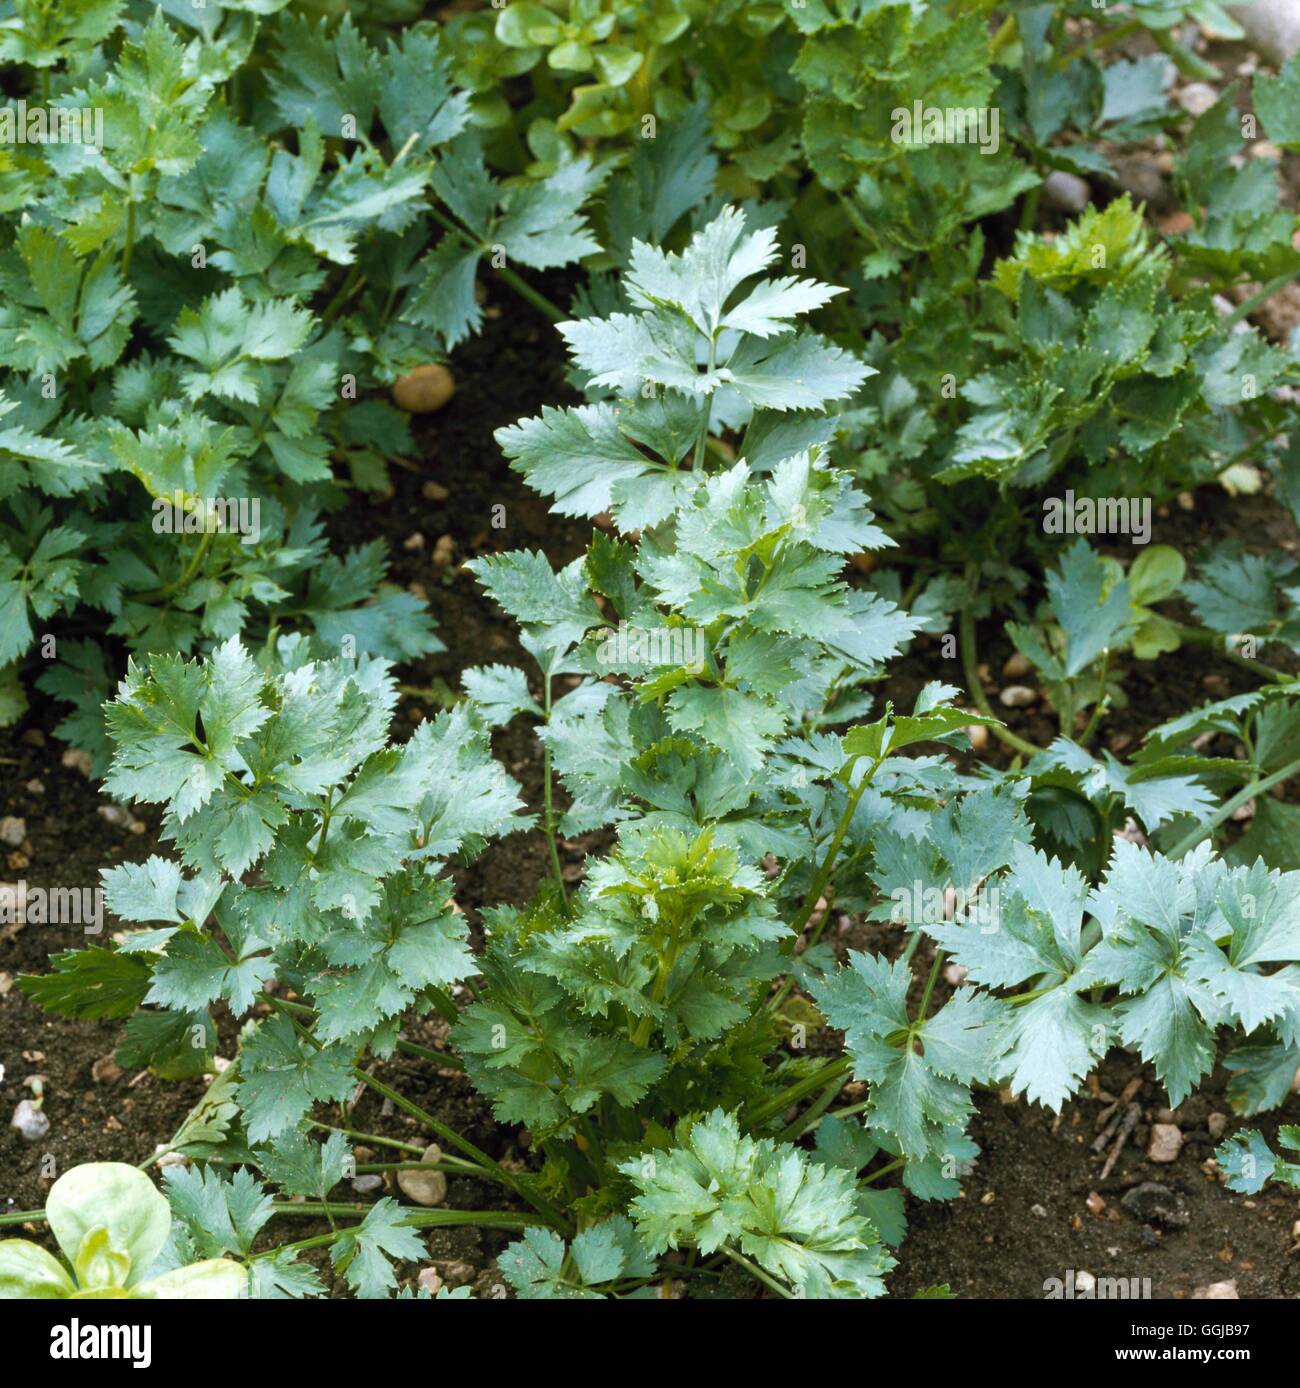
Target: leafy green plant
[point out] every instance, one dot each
(813, 346)
(111, 1224)
(290, 774)
(1098, 611)
(200, 318)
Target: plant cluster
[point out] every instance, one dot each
(811, 345)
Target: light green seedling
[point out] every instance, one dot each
(111, 1223)
(1154, 576)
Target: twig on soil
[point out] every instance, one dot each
(1130, 1121)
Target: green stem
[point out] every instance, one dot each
(1121, 31)
(526, 291)
(1008, 32)
(818, 885)
(803, 1121)
(450, 1135)
(1260, 296)
(443, 1058)
(352, 282)
(491, 1168)
(708, 413)
(12, 1217)
(1201, 637)
(1021, 999)
(1102, 701)
(368, 1137)
(548, 801)
(929, 987)
(1229, 807)
(833, 1071)
(129, 245)
(884, 1171)
(187, 573)
(413, 1219)
(1183, 58)
(756, 1272)
(521, 286)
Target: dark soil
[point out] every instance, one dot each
(980, 1246)
(1024, 1215)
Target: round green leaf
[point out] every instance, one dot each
(217, 1279)
(28, 1273)
(116, 1198)
(571, 57)
(1155, 574)
(665, 28)
(528, 26)
(617, 63)
(1155, 636)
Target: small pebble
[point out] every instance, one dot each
(1017, 696)
(1217, 1291)
(434, 491)
(444, 552)
(30, 1120)
(1196, 98)
(105, 1070)
(425, 389)
(1152, 1203)
(1216, 1125)
(1166, 1142)
(1177, 223)
(455, 1272)
(1066, 192)
(1096, 1205)
(425, 1187)
(363, 1185)
(1017, 666)
(1131, 833)
(77, 760)
(13, 831)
